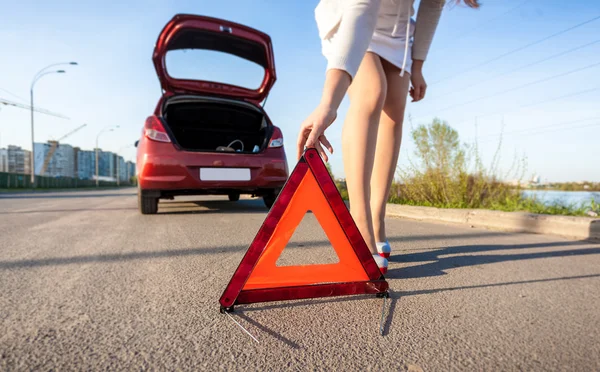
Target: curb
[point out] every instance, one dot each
(566, 226)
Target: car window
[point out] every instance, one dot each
(215, 66)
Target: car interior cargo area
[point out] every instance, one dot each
(216, 126)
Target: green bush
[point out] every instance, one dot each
(448, 174)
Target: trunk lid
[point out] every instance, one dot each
(185, 32)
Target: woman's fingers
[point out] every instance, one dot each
(326, 142)
(313, 137)
(302, 137)
(310, 138)
(423, 88)
(417, 93)
(312, 132)
(322, 152)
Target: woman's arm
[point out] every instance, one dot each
(312, 130)
(428, 17)
(349, 45)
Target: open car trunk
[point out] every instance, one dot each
(213, 124)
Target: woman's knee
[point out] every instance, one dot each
(396, 95)
(369, 96)
(369, 88)
(394, 110)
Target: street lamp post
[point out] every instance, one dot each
(37, 76)
(106, 129)
(118, 171)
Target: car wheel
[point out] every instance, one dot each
(269, 200)
(147, 204)
(234, 197)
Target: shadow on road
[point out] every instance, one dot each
(267, 330)
(168, 208)
(241, 311)
(88, 194)
(412, 238)
(107, 258)
(437, 265)
(211, 206)
(434, 266)
(395, 296)
(437, 290)
(594, 232)
(70, 210)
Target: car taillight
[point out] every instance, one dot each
(154, 130)
(276, 138)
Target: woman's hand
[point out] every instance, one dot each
(312, 131)
(417, 91)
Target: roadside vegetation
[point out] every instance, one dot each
(446, 173)
(572, 186)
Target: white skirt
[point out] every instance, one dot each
(391, 49)
(384, 45)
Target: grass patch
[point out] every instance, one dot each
(556, 208)
(446, 173)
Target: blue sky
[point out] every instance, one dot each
(115, 82)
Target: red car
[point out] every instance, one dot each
(208, 137)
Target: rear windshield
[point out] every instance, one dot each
(199, 55)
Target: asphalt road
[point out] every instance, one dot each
(88, 283)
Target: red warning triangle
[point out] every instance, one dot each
(259, 279)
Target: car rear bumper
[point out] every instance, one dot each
(178, 175)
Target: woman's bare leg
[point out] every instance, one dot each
(359, 137)
(389, 137)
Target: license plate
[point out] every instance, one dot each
(224, 174)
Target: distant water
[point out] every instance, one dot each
(566, 197)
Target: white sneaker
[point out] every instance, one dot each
(384, 249)
(382, 263)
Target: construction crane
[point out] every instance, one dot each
(53, 147)
(27, 107)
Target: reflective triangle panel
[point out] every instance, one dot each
(309, 188)
(308, 196)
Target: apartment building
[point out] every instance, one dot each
(4, 160)
(58, 159)
(19, 160)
